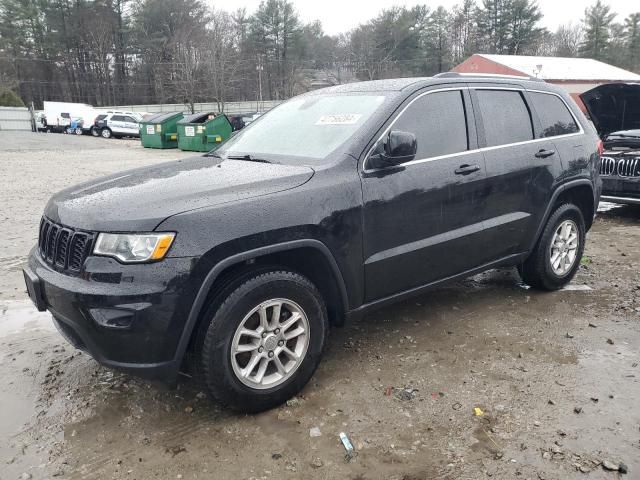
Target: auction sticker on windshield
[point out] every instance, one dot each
(189, 131)
(342, 119)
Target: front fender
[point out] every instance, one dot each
(219, 267)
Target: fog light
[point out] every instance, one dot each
(112, 317)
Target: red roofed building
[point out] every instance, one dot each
(576, 75)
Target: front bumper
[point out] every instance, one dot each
(618, 189)
(127, 317)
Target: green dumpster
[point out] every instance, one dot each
(202, 132)
(160, 130)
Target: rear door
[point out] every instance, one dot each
(423, 219)
(521, 170)
(558, 124)
(117, 124)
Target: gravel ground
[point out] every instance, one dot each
(35, 166)
(555, 375)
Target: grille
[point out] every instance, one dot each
(623, 167)
(63, 247)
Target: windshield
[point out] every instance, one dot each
(308, 127)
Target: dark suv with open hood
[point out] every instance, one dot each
(615, 111)
(332, 204)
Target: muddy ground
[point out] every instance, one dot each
(555, 375)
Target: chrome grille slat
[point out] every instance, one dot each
(620, 166)
(62, 247)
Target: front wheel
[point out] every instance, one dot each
(264, 341)
(557, 255)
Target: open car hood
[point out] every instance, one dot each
(613, 107)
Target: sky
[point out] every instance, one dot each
(339, 16)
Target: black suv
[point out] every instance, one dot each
(615, 111)
(332, 204)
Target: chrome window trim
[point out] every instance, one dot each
(475, 150)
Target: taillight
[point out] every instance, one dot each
(600, 147)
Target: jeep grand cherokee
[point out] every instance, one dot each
(336, 202)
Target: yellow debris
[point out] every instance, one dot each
(477, 411)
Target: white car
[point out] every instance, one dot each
(116, 125)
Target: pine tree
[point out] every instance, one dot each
(597, 25)
(632, 41)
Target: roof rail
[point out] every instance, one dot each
(487, 75)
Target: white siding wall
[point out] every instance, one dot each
(15, 118)
(230, 108)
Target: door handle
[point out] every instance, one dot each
(544, 153)
(466, 169)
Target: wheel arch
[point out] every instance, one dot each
(309, 257)
(579, 192)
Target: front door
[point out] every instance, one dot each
(423, 219)
(131, 126)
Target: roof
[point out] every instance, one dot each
(562, 68)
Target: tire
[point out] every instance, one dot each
(538, 270)
(105, 133)
(222, 370)
(95, 132)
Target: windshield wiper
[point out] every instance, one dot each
(248, 158)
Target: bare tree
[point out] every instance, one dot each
(566, 40)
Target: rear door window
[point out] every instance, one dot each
(505, 116)
(117, 118)
(439, 123)
(555, 117)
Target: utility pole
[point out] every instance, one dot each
(259, 68)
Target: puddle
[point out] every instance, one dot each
(574, 287)
(22, 317)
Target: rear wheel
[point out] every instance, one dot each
(556, 258)
(95, 132)
(264, 341)
(105, 133)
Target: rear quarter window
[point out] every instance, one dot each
(505, 116)
(555, 117)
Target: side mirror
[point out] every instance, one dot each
(399, 147)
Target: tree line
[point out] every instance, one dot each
(110, 52)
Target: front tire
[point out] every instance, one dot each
(264, 341)
(557, 255)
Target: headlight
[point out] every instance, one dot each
(134, 247)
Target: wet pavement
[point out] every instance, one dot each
(556, 377)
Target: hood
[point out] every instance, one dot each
(613, 107)
(138, 200)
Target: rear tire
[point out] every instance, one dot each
(95, 132)
(252, 359)
(557, 255)
(105, 133)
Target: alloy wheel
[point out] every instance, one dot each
(270, 343)
(564, 248)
